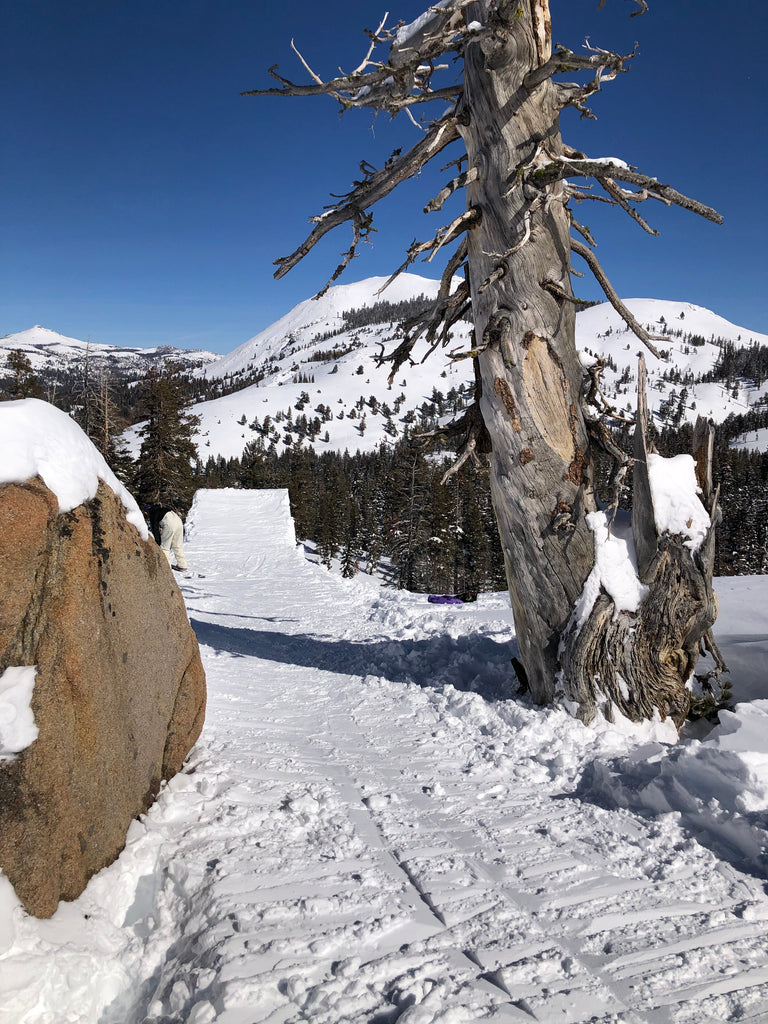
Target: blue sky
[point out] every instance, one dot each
(143, 200)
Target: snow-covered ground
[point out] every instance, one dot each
(753, 440)
(372, 829)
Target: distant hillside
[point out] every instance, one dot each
(312, 378)
(696, 342)
(283, 409)
(49, 351)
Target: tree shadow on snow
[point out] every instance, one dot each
(472, 663)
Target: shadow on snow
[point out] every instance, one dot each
(471, 663)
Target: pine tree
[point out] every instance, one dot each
(408, 528)
(164, 471)
(23, 383)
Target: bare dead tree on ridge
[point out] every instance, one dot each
(538, 413)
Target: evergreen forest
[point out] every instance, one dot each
(385, 509)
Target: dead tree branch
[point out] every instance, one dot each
(471, 427)
(399, 82)
(435, 323)
(566, 168)
(361, 226)
(610, 292)
(375, 187)
(460, 181)
(640, 3)
(619, 196)
(605, 64)
(445, 235)
(582, 229)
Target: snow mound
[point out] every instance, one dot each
(37, 439)
(264, 518)
(718, 787)
(677, 508)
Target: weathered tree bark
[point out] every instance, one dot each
(642, 662)
(540, 473)
(541, 468)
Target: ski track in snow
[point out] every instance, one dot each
(356, 840)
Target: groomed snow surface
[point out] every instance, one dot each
(371, 830)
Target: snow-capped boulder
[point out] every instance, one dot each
(102, 691)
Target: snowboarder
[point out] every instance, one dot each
(167, 528)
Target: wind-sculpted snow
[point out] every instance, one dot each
(373, 828)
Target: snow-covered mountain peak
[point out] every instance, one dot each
(47, 349)
(320, 316)
(662, 316)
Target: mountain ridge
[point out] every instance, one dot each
(42, 345)
(316, 380)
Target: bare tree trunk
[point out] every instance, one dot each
(642, 662)
(533, 399)
(540, 473)
(541, 469)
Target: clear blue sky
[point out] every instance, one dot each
(143, 200)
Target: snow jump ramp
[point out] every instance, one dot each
(246, 529)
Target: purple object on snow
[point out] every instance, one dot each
(444, 599)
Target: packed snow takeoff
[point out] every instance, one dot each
(358, 840)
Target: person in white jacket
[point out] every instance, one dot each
(168, 530)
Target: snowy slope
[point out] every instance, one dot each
(600, 330)
(289, 347)
(316, 316)
(356, 840)
(597, 320)
(47, 349)
(290, 355)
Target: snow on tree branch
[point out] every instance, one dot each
(610, 168)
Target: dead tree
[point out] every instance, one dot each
(538, 412)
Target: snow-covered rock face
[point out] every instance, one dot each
(104, 695)
(309, 353)
(102, 692)
(37, 439)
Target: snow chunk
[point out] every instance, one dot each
(676, 506)
(608, 160)
(17, 723)
(37, 439)
(718, 786)
(407, 32)
(742, 734)
(615, 569)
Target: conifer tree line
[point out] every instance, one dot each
(387, 504)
